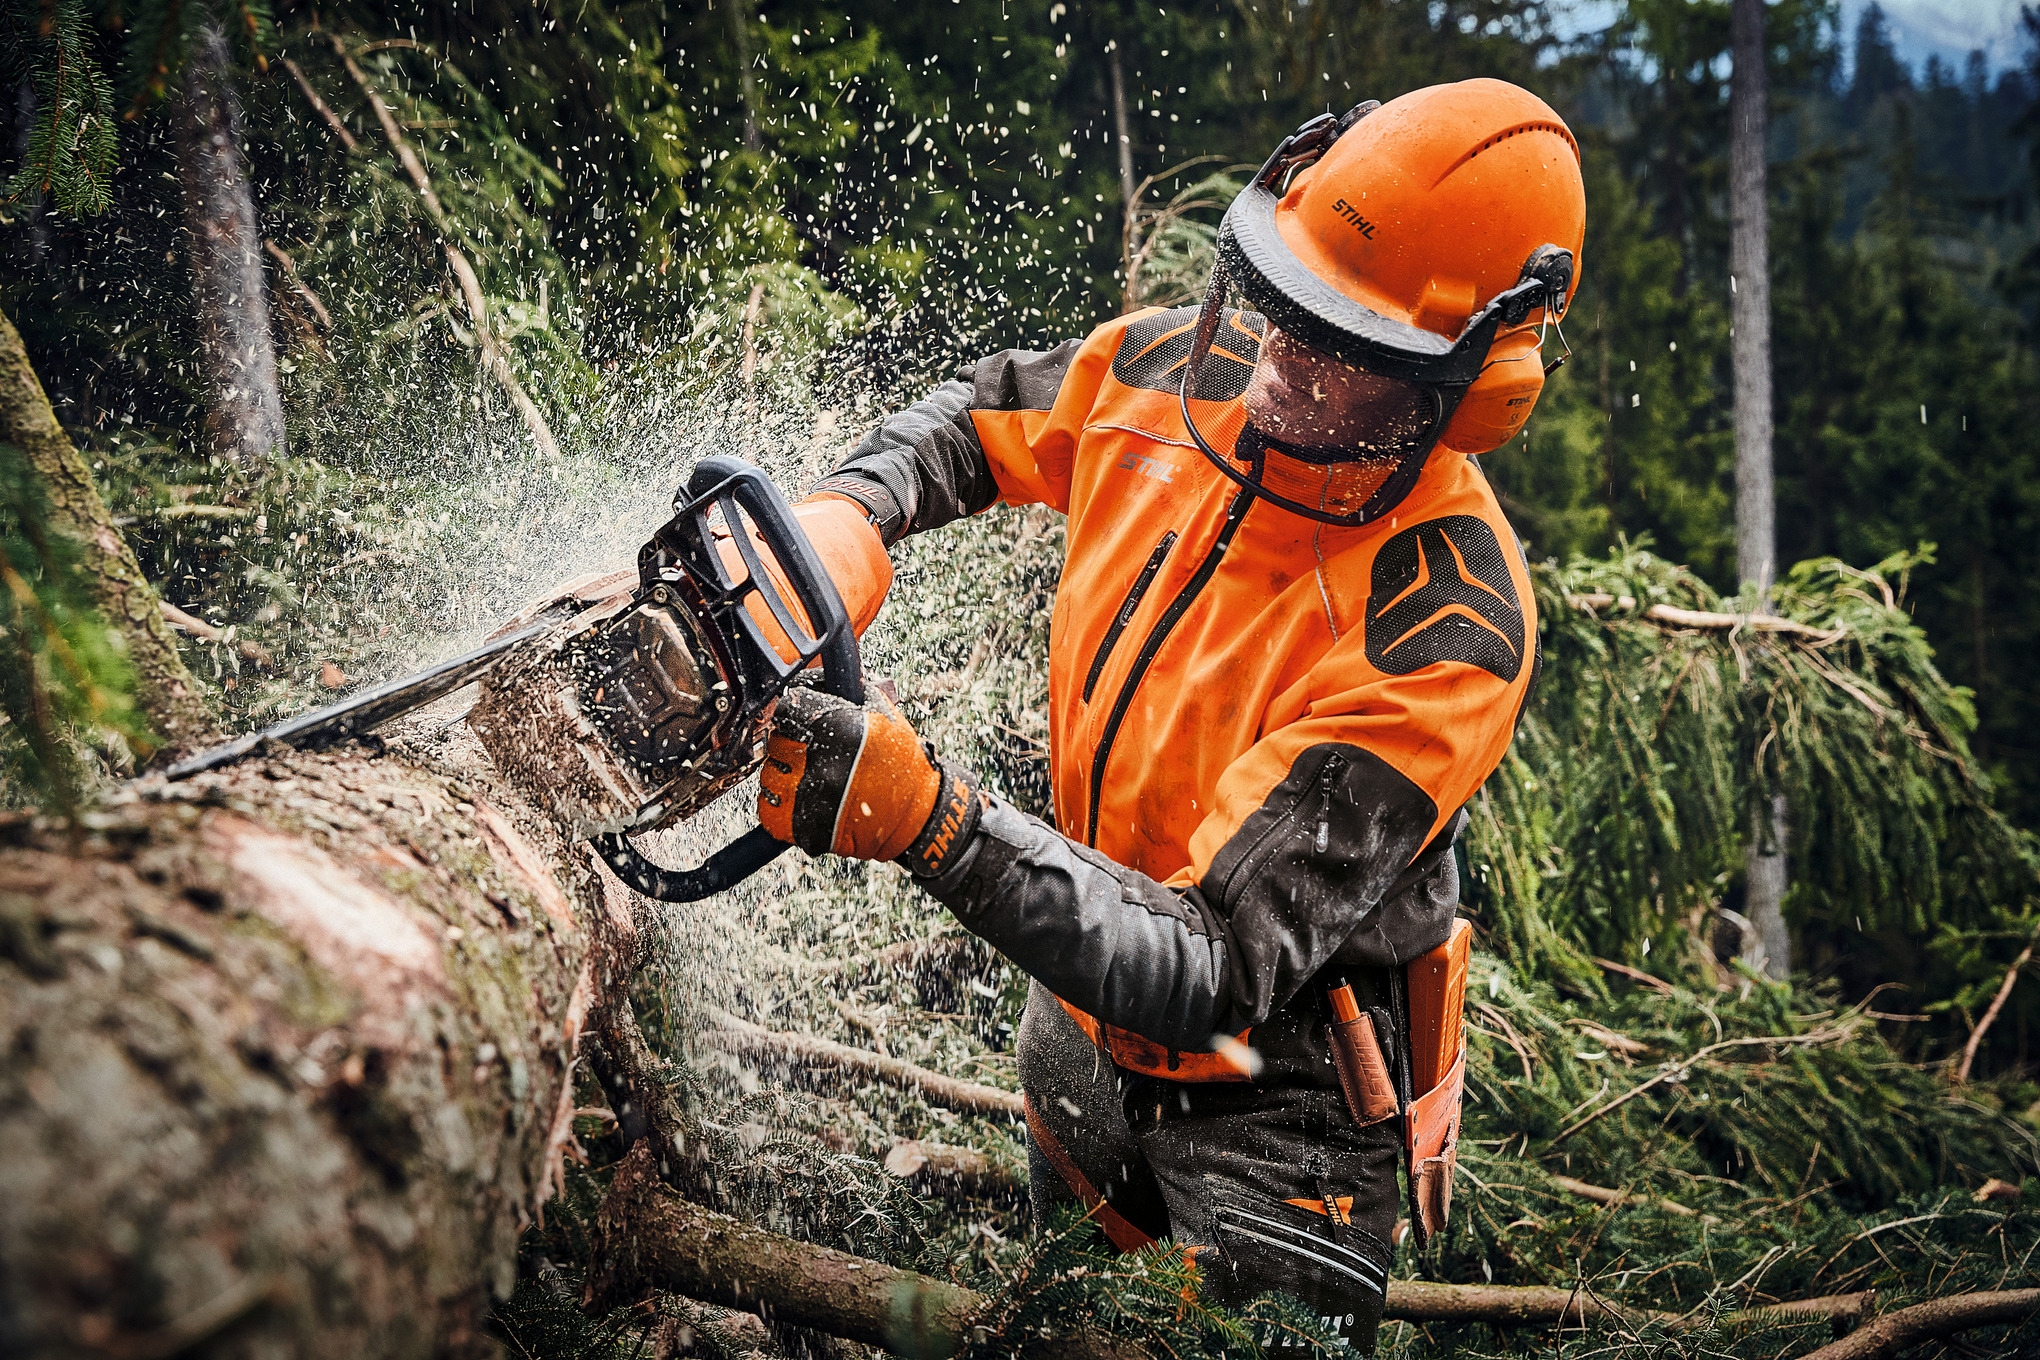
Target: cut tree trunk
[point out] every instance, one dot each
(236, 350)
(164, 687)
(288, 1055)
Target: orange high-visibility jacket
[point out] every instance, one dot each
(1262, 728)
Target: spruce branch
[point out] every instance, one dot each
(1997, 1004)
(493, 357)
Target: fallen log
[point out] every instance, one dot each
(1936, 1318)
(741, 1036)
(647, 1239)
(285, 1058)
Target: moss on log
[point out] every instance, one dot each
(166, 691)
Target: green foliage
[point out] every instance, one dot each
(1149, 1297)
(71, 142)
(1618, 819)
(65, 685)
(1805, 1157)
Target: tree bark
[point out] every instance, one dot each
(1756, 533)
(285, 1058)
(236, 350)
(168, 694)
(1122, 133)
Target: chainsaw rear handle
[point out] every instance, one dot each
(732, 484)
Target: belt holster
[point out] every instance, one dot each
(1427, 1029)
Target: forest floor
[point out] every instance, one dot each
(1658, 1151)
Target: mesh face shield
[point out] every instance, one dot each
(1339, 405)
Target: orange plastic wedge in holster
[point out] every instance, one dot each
(1437, 1003)
(850, 551)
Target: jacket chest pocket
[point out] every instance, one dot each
(1127, 610)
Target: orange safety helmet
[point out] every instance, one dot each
(1428, 242)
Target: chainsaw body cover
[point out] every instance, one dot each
(626, 717)
(649, 700)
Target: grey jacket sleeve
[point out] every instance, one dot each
(924, 467)
(1334, 866)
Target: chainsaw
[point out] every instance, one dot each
(632, 706)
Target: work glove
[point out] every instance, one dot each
(849, 779)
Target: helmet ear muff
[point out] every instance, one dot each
(1499, 401)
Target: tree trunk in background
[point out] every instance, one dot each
(286, 1056)
(237, 352)
(740, 36)
(1122, 131)
(1756, 535)
(164, 687)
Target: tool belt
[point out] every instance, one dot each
(1409, 1061)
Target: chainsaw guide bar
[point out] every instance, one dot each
(627, 707)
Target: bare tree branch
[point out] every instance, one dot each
(347, 139)
(1894, 1332)
(969, 1096)
(1997, 1004)
(1707, 619)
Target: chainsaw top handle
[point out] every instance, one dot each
(687, 546)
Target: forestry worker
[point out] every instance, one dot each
(1292, 637)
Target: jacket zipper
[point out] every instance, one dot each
(1125, 615)
(1163, 627)
(1322, 786)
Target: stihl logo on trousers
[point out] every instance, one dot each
(1441, 592)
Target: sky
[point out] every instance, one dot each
(1919, 28)
(1951, 28)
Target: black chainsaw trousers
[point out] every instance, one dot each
(1270, 1184)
